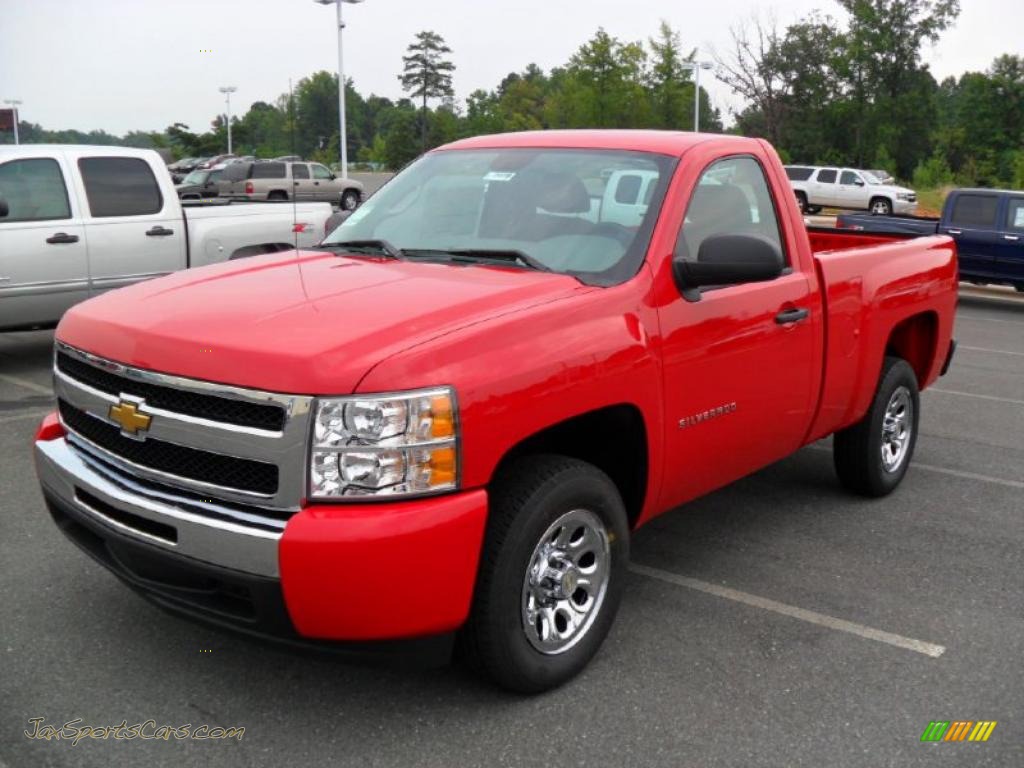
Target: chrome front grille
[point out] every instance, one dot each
(220, 442)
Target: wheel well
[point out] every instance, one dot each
(257, 250)
(914, 340)
(277, 194)
(883, 198)
(613, 439)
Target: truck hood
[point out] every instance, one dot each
(295, 322)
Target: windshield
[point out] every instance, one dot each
(576, 212)
(196, 177)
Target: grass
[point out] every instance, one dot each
(930, 201)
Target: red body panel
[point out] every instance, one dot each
(525, 351)
(371, 571)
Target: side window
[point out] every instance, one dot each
(120, 186)
(300, 171)
(1015, 214)
(827, 176)
(214, 176)
(743, 205)
(975, 211)
(628, 189)
(796, 173)
(34, 190)
(321, 172)
(268, 171)
(849, 178)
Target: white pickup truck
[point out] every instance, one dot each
(79, 220)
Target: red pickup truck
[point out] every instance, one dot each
(439, 429)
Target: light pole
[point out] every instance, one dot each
(342, 136)
(696, 67)
(227, 90)
(14, 104)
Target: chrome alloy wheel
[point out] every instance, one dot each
(897, 426)
(566, 581)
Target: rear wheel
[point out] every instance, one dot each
(801, 200)
(873, 455)
(880, 206)
(551, 573)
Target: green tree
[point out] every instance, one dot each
(667, 77)
(427, 73)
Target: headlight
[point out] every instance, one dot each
(908, 196)
(392, 445)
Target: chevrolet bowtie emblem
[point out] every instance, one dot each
(131, 420)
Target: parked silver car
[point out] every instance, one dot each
(303, 181)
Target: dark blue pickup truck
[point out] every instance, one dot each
(987, 224)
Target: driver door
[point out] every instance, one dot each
(740, 366)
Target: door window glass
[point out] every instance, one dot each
(740, 206)
(975, 211)
(849, 178)
(320, 172)
(34, 190)
(1015, 214)
(827, 177)
(300, 172)
(120, 186)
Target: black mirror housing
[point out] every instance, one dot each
(728, 260)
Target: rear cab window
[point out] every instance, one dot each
(975, 211)
(120, 186)
(34, 190)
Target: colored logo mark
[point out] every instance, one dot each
(958, 730)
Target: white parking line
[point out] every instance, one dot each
(946, 471)
(990, 351)
(960, 317)
(1009, 400)
(19, 382)
(22, 416)
(812, 617)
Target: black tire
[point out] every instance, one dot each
(880, 206)
(813, 210)
(526, 501)
(858, 450)
(1019, 287)
(801, 201)
(277, 195)
(349, 200)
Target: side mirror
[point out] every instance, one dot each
(859, 183)
(728, 260)
(5, 209)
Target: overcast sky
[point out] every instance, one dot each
(126, 65)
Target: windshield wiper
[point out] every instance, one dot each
(485, 254)
(383, 246)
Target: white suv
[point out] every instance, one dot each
(821, 187)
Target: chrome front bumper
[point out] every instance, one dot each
(69, 475)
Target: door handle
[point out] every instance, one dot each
(1011, 238)
(954, 231)
(790, 316)
(159, 231)
(62, 237)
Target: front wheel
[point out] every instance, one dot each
(551, 573)
(881, 207)
(872, 456)
(349, 200)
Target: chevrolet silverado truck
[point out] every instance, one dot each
(79, 220)
(987, 225)
(437, 430)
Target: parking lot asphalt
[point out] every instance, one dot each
(777, 622)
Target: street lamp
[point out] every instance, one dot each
(227, 91)
(14, 103)
(696, 67)
(342, 137)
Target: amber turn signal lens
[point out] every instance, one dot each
(442, 420)
(442, 466)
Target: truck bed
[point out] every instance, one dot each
(827, 240)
